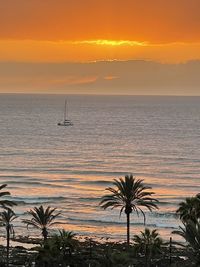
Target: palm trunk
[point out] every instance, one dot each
(148, 255)
(128, 228)
(8, 245)
(45, 234)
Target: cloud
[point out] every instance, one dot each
(137, 77)
(94, 50)
(110, 42)
(110, 78)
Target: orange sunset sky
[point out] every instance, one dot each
(53, 32)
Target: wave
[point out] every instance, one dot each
(164, 214)
(24, 182)
(34, 183)
(69, 180)
(92, 172)
(38, 200)
(167, 203)
(165, 226)
(13, 176)
(103, 182)
(112, 223)
(89, 199)
(93, 221)
(95, 200)
(177, 185)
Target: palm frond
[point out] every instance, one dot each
(6, 218)
(128, 194)
(42, 218)
(5, 203)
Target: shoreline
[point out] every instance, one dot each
(30, 242)
(91, 251)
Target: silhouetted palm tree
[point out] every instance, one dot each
(5, 203)
(66, 241)
(6, 218)
(191, 233)
(57, 249)
(67, 238)
(189, 209)
(130, 195)
(149, 243)
(42, 219)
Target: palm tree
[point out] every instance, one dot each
(57, 249)
(189, 209)
(67, 238)
(66, 241)
(5, 203)
(130, 195)
(149, 243)
(6, 218)
(42, 219)
(191, 233)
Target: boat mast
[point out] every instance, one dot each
(66, 109)
(65, 113)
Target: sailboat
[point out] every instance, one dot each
(66, 121)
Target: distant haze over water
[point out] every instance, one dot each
(132, 77)
(154, 138)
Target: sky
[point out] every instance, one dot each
(89, 31)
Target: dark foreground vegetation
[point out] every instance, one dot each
(94, 254)
(143, 249)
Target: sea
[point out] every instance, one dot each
(155, 138)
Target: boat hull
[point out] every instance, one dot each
(65, 124)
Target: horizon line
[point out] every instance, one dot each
(102, 61)
(87, 94)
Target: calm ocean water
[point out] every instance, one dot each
(154, 138)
